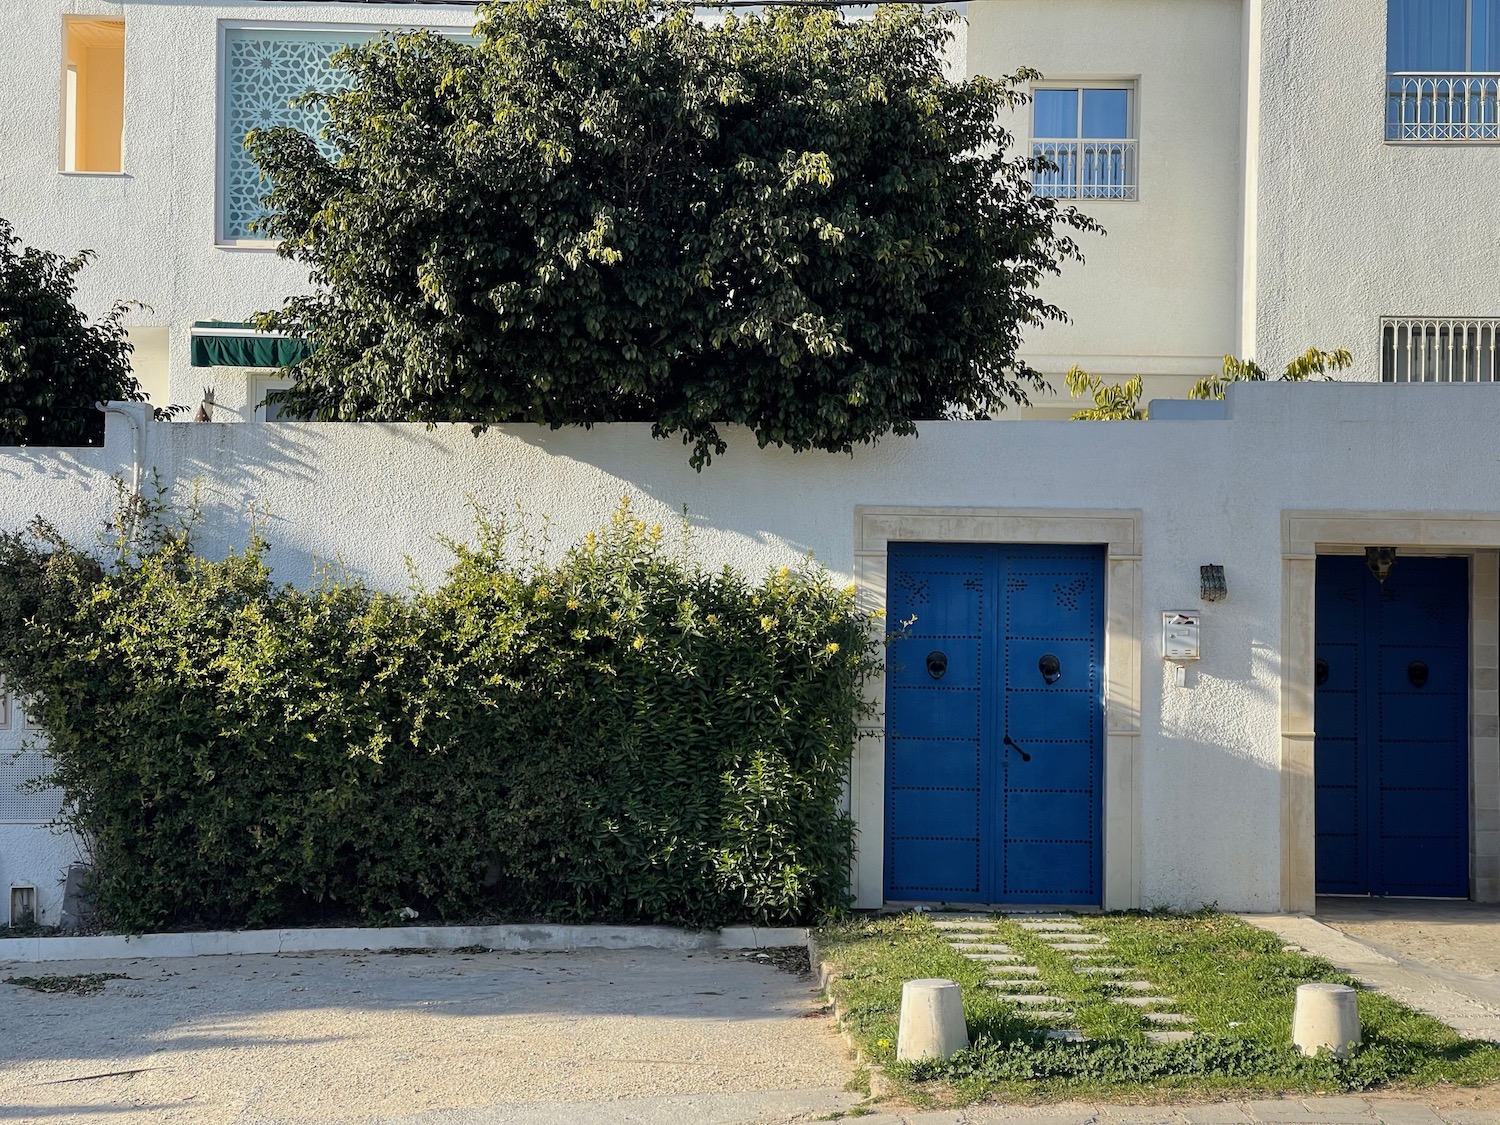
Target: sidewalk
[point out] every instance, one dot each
(789, 1107)
(1285, 1111)
(1469, 1004)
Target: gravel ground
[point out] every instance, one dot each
(1463, 937)
(351, 1037)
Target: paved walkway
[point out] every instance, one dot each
(1416, 967)
(788, 1107)
(977, 938)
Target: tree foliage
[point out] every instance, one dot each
(616, 735)
(611, 210)
(55, 364)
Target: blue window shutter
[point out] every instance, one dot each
(1486, 36)
(1427, 35)
(1106, 114)
(1056, 114)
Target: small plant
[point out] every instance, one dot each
(1311, 363)
(1113, 402)
(1121, 402)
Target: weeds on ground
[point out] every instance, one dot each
(1236, 982)
(79, 985)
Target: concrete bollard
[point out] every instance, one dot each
(932, 1020)
(1326, 1017)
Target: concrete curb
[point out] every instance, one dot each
(881, 1087)
(533, 939)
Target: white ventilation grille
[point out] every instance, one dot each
(26, 806)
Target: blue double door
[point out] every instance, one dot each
(1391, 713)
(995, 724)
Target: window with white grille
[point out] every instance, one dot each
(1428, 349)
(1085, 133)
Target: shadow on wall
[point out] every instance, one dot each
(415, 484)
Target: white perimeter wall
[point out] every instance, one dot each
(1211, 491)
(1352, 228)
(1159, 295)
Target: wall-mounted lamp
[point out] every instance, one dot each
(1211, 580)
(1380, 560)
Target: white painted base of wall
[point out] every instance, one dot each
(529, 938)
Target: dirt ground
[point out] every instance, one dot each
(1462, 937)
(342, 1037)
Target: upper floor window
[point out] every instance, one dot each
(93, 111)
(1443, 70)
(265, 71)
(1086, 135)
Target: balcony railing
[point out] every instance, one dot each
(1085, 169)
(1426, 349)
(1442, 107)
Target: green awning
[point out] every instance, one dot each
(233, 343)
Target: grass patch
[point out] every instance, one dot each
(80, 985)
(1236, 981)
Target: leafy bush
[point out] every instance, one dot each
(54, 364)
(618, 736)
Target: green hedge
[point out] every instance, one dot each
(619, 736)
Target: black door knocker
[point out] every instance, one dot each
(1417, 673)
(937, 664)
(1320, 671)
(1050, 667)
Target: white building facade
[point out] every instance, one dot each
(1272, 175)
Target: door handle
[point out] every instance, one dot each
(1025, 757)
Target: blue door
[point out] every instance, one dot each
(995, 724)
(1391, 716)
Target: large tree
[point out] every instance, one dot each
(55, 363)
(613, 210)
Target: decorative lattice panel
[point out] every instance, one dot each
(264, 72)
(19, 803)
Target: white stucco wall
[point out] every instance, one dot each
(74, 489)
(1210, 491)
(153, 226)
(1158, 295)
(1352, 228)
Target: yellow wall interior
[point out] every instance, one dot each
(93, 95)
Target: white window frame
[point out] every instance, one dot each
(1131, 83)
(262, 382)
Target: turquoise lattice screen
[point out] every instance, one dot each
(265, 70)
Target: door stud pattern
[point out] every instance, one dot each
(1391, 720)
(994, 767)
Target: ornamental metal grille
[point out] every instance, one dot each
(1427, 349)
(1442, 107)
(264, 72)
(20, 804)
